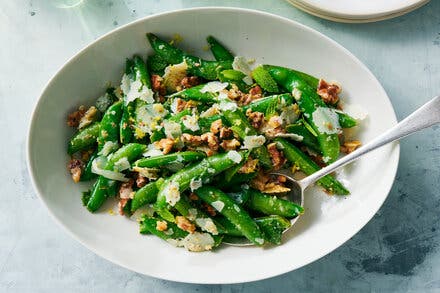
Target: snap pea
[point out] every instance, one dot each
(218, 50)
(140, 69)
(345, 120)
(264, 105)
(308, 102)
(228, 208)
(146, 194)
(156, 64)
(308, 139)
(196, 66)
(232, 76)
(148, 225)
(104, 187)
(84, 139)
(305, 164)
(272, 205)
(159, 161)
(87, 174)
(207, 168)
(194, 93)
(273, 227)
(241, 126)
(265, 80)
(109, 127)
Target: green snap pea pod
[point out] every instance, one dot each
(149, 225)
(264, 80)
(229, 174)
(104, 187)
(232, 76)
(228, 208)
(272, 205)
(309, 79)
(205, 122)
(140, 68)
(308, 139)
(156, 64)
(84, 139)
(218, 50)
(308, 103)
(127, 119)
(305, 164)
(264, 105)
(109, 127)
(146, 194)
(273, 227)
(87, 174)
(159, 161)
(203, 170)
(194, 93)
(345, 120)
(196, 66)
(229, 228)
(241, 126)
(157, 135)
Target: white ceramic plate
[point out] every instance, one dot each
(357, 11)
(328, 221)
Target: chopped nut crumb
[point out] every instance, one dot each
(141, 181)
(211, 140)
(189, 81)
(193, 196)
(161, 226)
(350, 146)
(276, 156)
(74, 118)
(249, 167)
(126, 189)
(328, 92)
(88, 117)
(75, 167)
(165, 144)
(216, 126)
(184, 224)
(225, 132)
(229, 145)
(256, 118)
(209, 209)
(157, 85)
(192, 140)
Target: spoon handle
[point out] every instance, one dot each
(426, 116)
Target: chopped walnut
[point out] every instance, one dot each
(157, 85)
(229, 145)
(141, 181)
(161, 226)
(75, 167)
(208, 151)
(85, 155)
(256, 118)
(328, 92)
(184, 224)
(243, 99)
(165, 144)
(189, 81)
(192, 140)
(126, 190)
(350, 146)
(276, 156)
(249, 166)
(259, 182)
(182, 104)
(74, 118)
(211, 140)
(88, 117)
(225, 132)
(193, 196)
(121, 205)
(216, 126)
(209, 209)
(275, 188)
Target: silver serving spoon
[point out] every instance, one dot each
(426, 116)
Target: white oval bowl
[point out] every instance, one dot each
(328, 221)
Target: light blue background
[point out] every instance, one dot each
(397, 251)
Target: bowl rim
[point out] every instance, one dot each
(287, 21)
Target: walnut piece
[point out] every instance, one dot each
(225, 132)
(189, 81)
(75, 167)
(161, 226)
(249, 167)
(328, 92)
(350, 146)
(74, 118)
(141, 181)
(165, 144)
(192, 140)
(88, 117)
(184, 224)
(276, 156)
(211, 140)
(256, 118)
(216, 126)
(230, 144)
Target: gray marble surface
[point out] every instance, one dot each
(396, 251)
